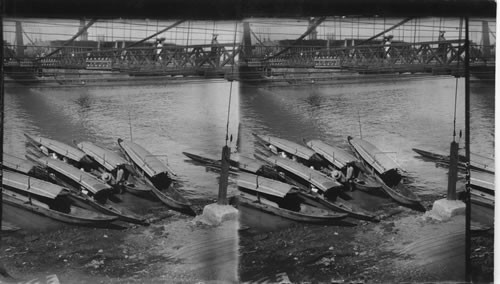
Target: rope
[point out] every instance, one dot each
(456, 88)
(231, 84)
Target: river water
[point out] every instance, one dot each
(394, 114)
(165, 118)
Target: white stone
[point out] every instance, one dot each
(444, 209)
(215, 213)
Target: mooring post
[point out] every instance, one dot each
(452, 174)
(226, 156)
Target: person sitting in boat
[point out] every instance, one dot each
(338, 176)
(294, 158)
(273, 149)
(106, 177)
(314, 190)
(65, 159)
(120, 178)
(44, 150)
(283, 154)
(54, 156)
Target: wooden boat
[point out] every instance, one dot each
(74, 155)
(280, 199)
(211, 161)
(477, 162)
(156, 173)
(88, 191)
(9, 227)
(47, 199)
(110, 161)
(17, 164)
(292, 149)
(339, 158)
(384, 170)
(307, 175)
(269, 186)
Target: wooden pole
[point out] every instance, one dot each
(226, 156)
(453, 172)
(467, 155)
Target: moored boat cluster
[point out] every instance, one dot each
(82, 185)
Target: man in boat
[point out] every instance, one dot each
(44, 150)
(338, 176)
(120, 177)
(273, 149)
(283, 154)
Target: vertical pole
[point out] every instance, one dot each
(19, 40)
(453, 172)
(226, 156)
(467, 155)
(1, 117)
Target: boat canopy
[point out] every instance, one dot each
(31, 185)
(336, 156)
(85, 179)
(263, 185)
(248, 164)
(314, 177)
(482, 180)
(372, 155)
(288, 146)
(108, 159)
(150, 164)
(58, 147)
(17, 164)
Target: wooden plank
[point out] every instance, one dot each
(58, 147)
(17, 164)
(372, 155)
(332, 154)
(85, 179)
(108, 159)
(288, 146)
(151, 165)
(263, 185)
(315, 178)
(31, 185)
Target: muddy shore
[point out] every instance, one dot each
(404, 246)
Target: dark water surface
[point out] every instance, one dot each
(165, 119)
(395, 115)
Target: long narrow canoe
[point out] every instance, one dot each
(339, 158)
(18, 164)
(44, 198)
(156, 173)
(384, 170)
(290, 147)
(99, 192)
(110, 161)
(477, 162)
(308, 175)
(307, 214)
(210, 161)
(270, 187)
(377, 160)
(60, 148)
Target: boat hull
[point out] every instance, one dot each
(76, 216)
(252, 202)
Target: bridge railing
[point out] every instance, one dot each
(210, 56)
(398, 54)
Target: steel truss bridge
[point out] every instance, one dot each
(223, 59)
